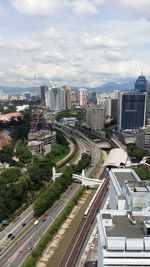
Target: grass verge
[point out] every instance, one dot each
(31, 259)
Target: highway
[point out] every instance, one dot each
(15, 255)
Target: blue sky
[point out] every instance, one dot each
(75, 42)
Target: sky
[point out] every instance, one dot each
(76, 42)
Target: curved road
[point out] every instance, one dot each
(16, 254)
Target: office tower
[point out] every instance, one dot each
(82, 97)
(114, 106)
(95, 118)
(56, 98)
(92, 98)
(44, 89)
(148, 105)
(132, 110)
(68, 96)
(141, 84)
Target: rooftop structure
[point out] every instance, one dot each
(141, 84)
(40, 143)
(71, 121)
(127, 191)
(117, 158)
(122, 235)
(8, 116)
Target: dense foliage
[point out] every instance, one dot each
(49, 196)
(18, 189)
(21, 130)
(23, 153)
(143, 172)
(6, 153)
(136, 152)
(79, 114)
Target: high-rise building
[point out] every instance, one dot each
(148, 105)
(132, 110)
(82, 97)
(68, 96)
(141, 84)
(143, 138)
(114, 106)
(95, 118)
(56, 98)
(44, 89)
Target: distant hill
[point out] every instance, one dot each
(107, 87)
(19, 90)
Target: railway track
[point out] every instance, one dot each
(76, 243)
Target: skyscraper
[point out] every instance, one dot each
(82, 97)
(132, 110)
(141, 84)
(56, 98)
(68, 96)
(44, 89)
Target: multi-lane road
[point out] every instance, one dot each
(15, 254)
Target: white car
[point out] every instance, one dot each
(36, 222)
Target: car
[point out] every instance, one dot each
(36, 222)
(9, 235)
(4, 222)
(92, 246)
(24, 224)
(12, 237)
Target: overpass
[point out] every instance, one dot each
(84, 180)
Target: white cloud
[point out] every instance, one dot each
(49, 57)
(101, 41)
(115, 55)
(37, 8)
(84, 7)
(127, 68)
(28, 45)
(60, 36)
(50, 7)
(21, 44)
(139, 8)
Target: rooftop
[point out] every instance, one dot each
(122, 227)
(116, 158)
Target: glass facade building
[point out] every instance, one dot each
(132, 110)
(141, 84)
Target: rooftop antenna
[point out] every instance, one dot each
(34, 79)
(142, 71)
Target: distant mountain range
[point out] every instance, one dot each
(107, 87)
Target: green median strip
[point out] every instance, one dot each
(32, 258)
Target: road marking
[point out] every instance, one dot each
(21, 249)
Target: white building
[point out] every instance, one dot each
(143, 138)
(55, 98)
(22, 108)
(71, 121)
(82, 97)
(123, 238)
(118, 178)
(95, 118)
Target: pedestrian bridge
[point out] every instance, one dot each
(84, 180)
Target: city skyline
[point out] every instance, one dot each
(80, 42)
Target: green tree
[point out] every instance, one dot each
(23, 153)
